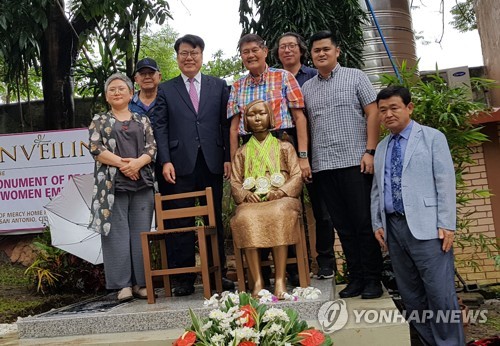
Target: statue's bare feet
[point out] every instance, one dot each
(257, 287)
(280, 289)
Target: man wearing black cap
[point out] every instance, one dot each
(147, 76)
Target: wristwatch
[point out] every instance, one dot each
(303, 154)
(370, 151)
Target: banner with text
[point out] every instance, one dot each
(34, 167)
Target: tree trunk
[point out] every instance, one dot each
(487, 12)
(56, 61)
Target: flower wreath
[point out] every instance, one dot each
(243, 321)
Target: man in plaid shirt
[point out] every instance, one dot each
(279, 88)
(345, 127)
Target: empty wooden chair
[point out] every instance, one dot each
(202, 232)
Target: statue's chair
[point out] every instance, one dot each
(300, 258)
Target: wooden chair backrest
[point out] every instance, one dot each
(201, 210)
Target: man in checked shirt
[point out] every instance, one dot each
(279, 88)
(344, 122)
(282, 91)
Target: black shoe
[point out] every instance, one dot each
(293, 279)
(325, 273)
(353, 289)
(183, 291)
(227, 285)
(373, 289)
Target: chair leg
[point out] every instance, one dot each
(205, 274)
(240, 270)
(301, 261)
(164, 265)
(147, 268)
(306, 253)
(216, 263)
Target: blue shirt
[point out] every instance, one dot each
(140, 108)
(305, 73)
(405, 135)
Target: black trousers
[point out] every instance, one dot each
(346, 192)
(181, 247)
(325, 235)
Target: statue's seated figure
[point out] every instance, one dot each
(266, 184)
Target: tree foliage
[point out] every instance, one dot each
(224, 67)
(49, 35)
(464, 16)
(104, 58)
(160, 47)
(270, 19)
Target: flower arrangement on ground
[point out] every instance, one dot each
(243, 321)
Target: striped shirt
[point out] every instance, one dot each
(336, 117)
(278, 87)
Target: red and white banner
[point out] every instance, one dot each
(33, 168)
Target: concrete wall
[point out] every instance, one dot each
(11, 120)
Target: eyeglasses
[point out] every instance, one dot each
(184, 54)
(290, 46)
(120, 90)
(254, 50)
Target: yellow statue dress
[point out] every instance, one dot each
(269, 223)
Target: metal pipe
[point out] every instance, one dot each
(394, 67)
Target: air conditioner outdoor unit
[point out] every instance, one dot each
(459, 77)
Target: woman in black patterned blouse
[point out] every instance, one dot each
(123, 146)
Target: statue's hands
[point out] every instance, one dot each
(252, 198)
(277, 194)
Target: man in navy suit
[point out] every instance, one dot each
(192, 134)
(413, 207)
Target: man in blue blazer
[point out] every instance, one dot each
(413, 207)
(192, 135)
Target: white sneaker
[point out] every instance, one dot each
(139, 292)
(125, 294)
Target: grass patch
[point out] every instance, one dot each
(18, 297)
(13, 275)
